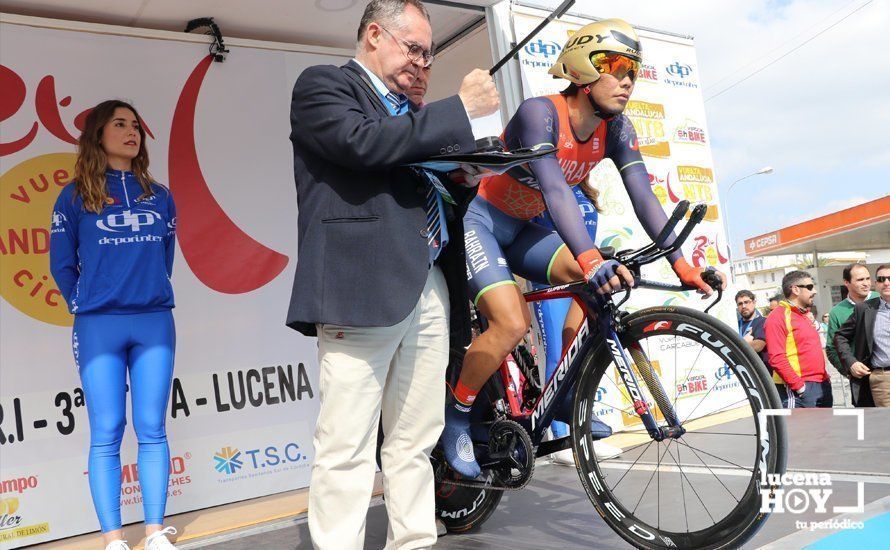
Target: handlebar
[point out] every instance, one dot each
(635, 259)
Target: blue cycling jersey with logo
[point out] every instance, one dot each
(119, 261)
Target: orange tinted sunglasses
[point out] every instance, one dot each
(616, 65)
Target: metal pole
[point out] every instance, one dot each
(564, 7)
(764, 170)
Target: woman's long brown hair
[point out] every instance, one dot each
(592, 193)
(89, 170)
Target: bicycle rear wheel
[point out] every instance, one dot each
(702, 489)
(463, 509)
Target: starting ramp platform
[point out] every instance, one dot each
(849, 446)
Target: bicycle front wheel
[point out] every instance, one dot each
(703, 488)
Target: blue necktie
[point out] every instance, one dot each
(433, 224)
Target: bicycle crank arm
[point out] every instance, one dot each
(552, 446)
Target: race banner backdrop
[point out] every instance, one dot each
(668, 114)
(245, 394)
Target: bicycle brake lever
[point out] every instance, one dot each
(714, 303)
(712, 279)
(626, 297)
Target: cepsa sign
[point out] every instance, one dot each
(762, 242)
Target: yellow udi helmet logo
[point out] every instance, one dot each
(28, 193)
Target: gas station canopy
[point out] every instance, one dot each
(862, 227)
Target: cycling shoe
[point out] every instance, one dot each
(457, 444)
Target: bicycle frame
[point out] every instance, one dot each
(601, 312)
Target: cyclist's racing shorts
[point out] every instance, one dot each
(499, 245)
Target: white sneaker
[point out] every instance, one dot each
(604, 451)
(441, 530)
(563, 457)
(158, 540)
(117, 545)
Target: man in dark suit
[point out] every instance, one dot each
(380, 270)
(863, 341)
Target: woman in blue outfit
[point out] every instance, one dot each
(111, 254)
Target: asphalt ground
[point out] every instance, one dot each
(553, 511)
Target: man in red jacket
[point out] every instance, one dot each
(795, 351)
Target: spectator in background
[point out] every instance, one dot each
(823, 329)
(745, 301)
(417, 90)
(774, 303)
(857, 279)
(863, 341)
(795, 352)
(751, 324)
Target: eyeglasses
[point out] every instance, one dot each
(810, 286)
(882, 278)
(415, 53)
(616, 65)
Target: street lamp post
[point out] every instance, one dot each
(764, 170)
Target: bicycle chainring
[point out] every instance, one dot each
(510, 444)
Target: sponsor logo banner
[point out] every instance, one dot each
(541, 54)
(234, 464)
(680, 75)
(648, 121)
(28, 192)
(648, 73)
(238, 369)
(697, 183)
(690, 132)
(12, 519)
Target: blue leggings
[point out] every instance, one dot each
(105, 348)
(551, 315)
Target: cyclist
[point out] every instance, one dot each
(585, 124)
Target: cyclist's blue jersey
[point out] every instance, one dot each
(119, 261)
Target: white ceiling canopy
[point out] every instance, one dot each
(330, 23)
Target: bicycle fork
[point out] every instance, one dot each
(619, 357)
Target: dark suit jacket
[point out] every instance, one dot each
(362, 253)
(854, 341)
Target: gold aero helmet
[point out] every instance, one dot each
(607, 36)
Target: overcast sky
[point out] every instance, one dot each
(820, 116)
